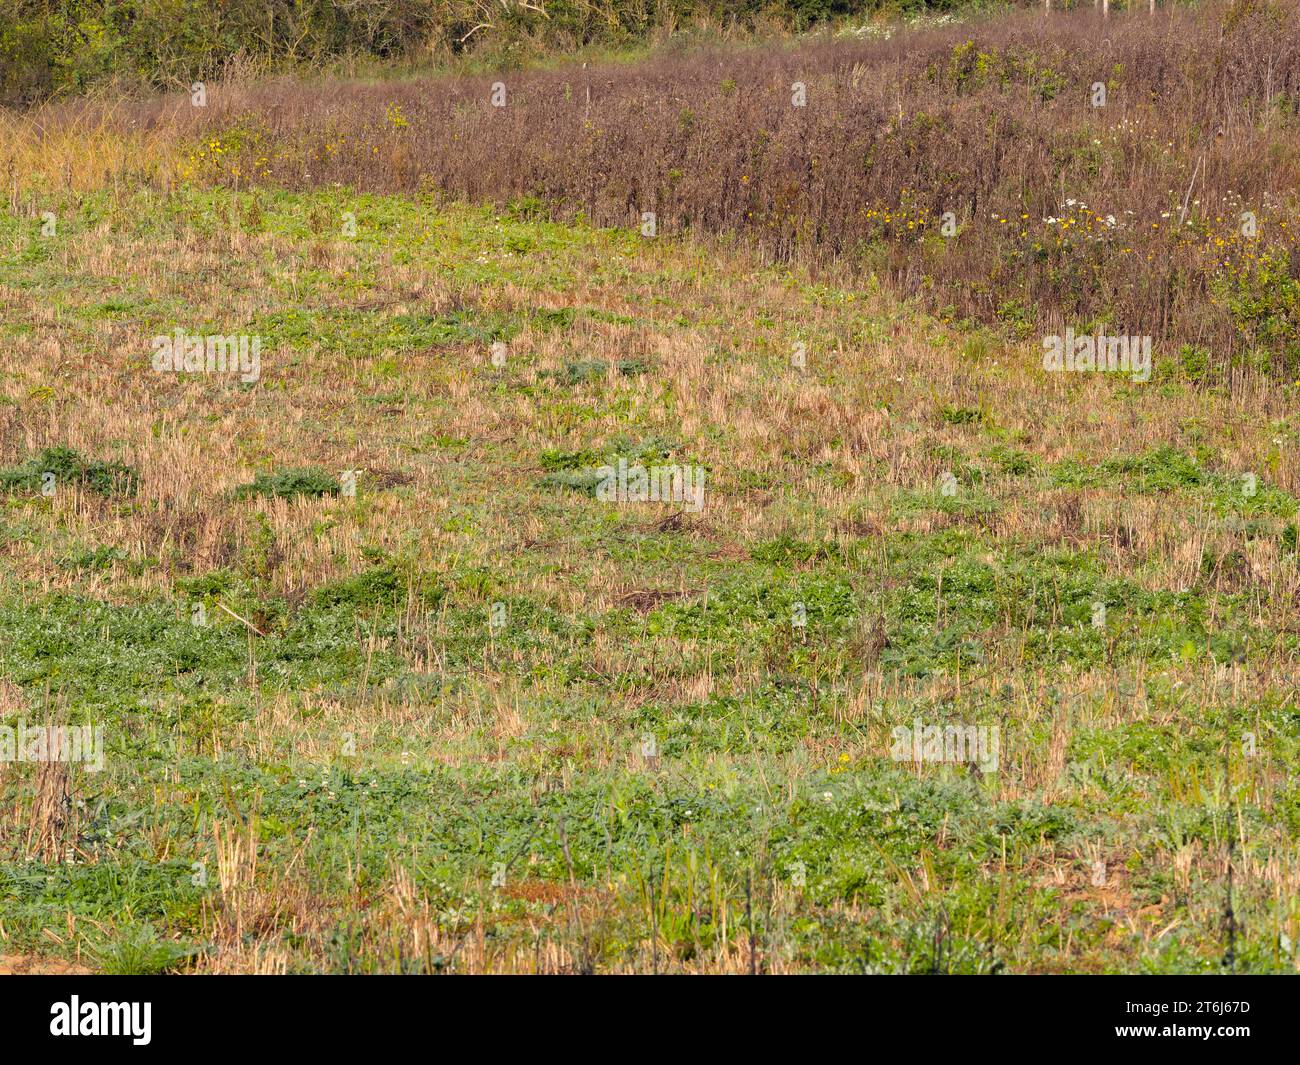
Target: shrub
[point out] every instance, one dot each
(310, 481)
(69, 467)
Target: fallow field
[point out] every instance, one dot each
(386, 684)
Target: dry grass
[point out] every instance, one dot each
(536, 729)
(992, 122)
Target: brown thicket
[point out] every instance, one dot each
(1165, 207)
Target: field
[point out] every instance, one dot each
(386, 684)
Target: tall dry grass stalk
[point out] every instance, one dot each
(79, 150)
(51, 822)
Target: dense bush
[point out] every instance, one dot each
(1128, 216)
(67, 45)
(66, 467)
(964, 165)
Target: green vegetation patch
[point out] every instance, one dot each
(56, 467)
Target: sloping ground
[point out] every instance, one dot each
(1138, 173)
(18, 965)
(475, 717)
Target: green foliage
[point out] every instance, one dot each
(580, 470)
(554, 459)
(48, 47)
(138, 951)
(1265, 302)
(583, 371)
(1011, 461)
(579, 480)
(311, 482)
(961, 415)
(383, 585)
(94, 559)
(69, 467)
(785, 549)
(519, 747)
